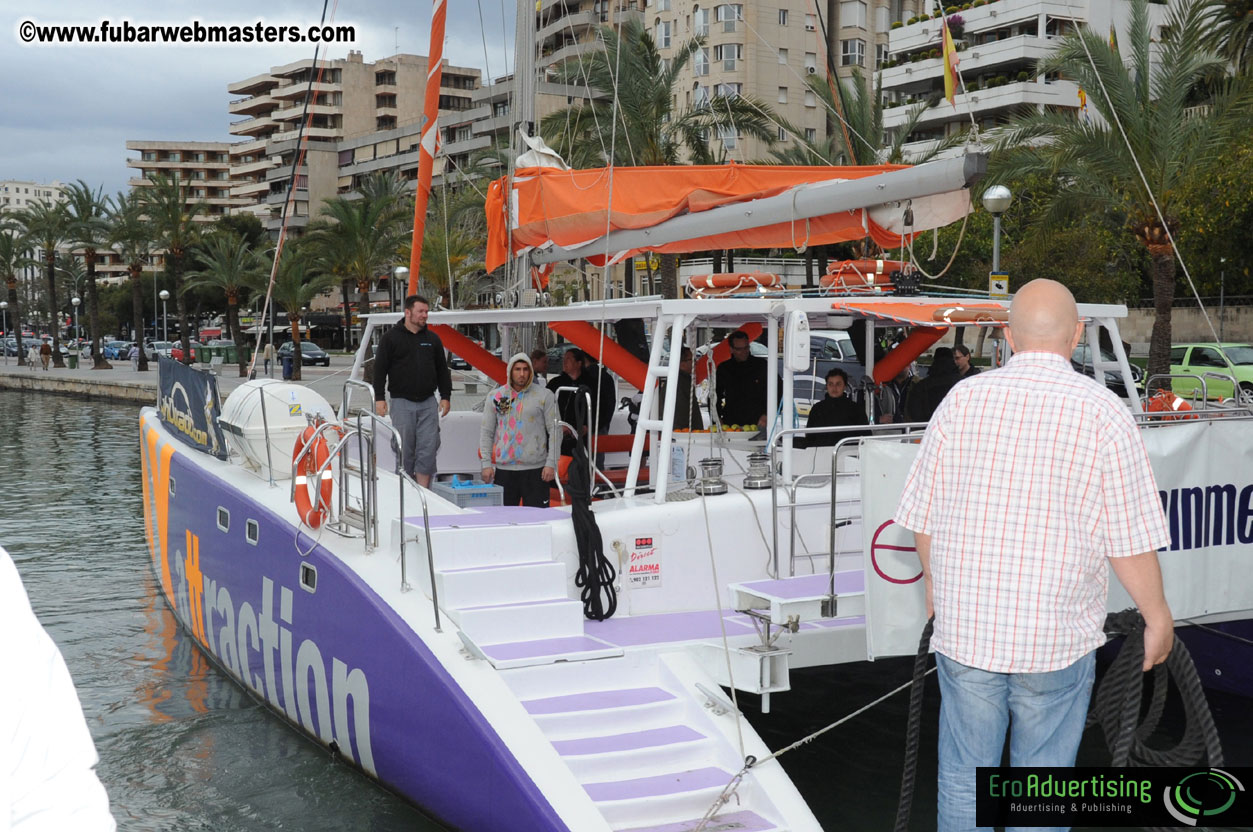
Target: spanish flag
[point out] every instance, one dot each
(950, 66)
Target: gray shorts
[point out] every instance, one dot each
(418, 424)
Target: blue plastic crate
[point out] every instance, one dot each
(470, 493)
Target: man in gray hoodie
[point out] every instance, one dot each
(519, 440)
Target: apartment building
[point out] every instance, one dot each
(16, 194)
(352, 104)
(1000, 44)
(766, 50)
(203, 168)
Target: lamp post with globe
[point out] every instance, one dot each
(996, 200)
(4, 310)
(74, 302)
(165, 329)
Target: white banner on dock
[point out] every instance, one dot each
(1204, 473)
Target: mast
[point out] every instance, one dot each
(429, 141)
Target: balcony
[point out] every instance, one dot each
(318, 133)
(251, 190)
(570, 52)
(992, 16)
(467, 145)
(251, 106)
(255, 85)
(983, 102)
(574, 24)
(249, 168)
(298, 90)
(246, 148)
(298, 111)
(283, 171)
(1022, 49)
(260, 126)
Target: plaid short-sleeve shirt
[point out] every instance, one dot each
(1027, 479)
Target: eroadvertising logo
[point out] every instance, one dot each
(1113, 797)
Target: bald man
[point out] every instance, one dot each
(1015, 570)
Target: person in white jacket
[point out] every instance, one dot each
(519, 439)
(48, 781)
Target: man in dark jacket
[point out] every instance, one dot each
(741, 387)
(687, 415)
(926, 395)
(411, 365)
(571, 405)
(836, 410)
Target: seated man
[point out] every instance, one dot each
(836, 410)
(740, 391)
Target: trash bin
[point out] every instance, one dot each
(71, 361)
(287, 367)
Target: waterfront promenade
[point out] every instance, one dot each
(122, 384)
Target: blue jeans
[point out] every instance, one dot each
(1048, 711)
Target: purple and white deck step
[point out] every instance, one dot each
(802, 596)
(659, 797)
(482, 538)
(605, 712)
(728, 821)
(497, 584)
(531, 620)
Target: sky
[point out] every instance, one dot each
(67, 110)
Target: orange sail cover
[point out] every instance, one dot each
(568, 207)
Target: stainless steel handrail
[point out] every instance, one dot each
(775, 442)
(345, 396)
(591, 429)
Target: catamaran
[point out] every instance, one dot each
(455, 650)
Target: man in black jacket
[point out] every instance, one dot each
(836, 410)
(411, 365)
(740, 391)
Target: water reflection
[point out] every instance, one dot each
(181, 746)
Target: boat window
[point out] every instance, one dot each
(224, 519)
(172, 485)
(252, 531)
(309, 577)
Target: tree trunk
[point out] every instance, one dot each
(730, 260)
(1163, 302)
(137, 317)
(232, 324)
(959, 336)
(174, 268)
(296, 361)
(717, 262)
(809, 268)
(822, 261)
(670, 276)
(53, 312)
(93, 315)
(363, 307)
(345, 288)
(15, 318)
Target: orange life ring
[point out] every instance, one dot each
(1164, 401)
(730, 283)
(859, 276)
(311, 514)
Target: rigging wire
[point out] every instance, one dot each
(302, 141)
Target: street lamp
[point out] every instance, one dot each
(400, 273)
(74, 302)
(996, 200)
(165, 324)
(4, 310)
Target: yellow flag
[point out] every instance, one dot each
(950, 66)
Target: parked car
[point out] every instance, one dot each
(117, 350)
(456, 362)
(807, 391)
(1229, 360)
(310, 353)
(176, 351)
(1081, 360)
(159, 348)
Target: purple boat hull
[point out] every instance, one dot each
(333, 658)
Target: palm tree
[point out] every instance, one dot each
(295, 285)
(1233, 28)
(173, 220)
(647, 129)
(131, 235)
(232, 266)
(13, 247)
(47, 226)
(89, 230)
(1170, 140)
(363, 237)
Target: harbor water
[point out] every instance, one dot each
(184, 748)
